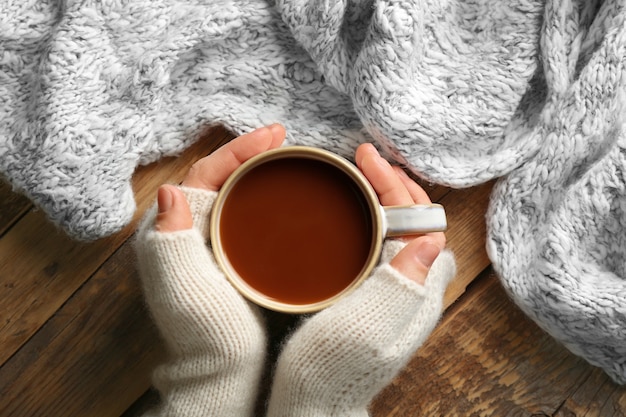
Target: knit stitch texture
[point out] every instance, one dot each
(92, 89)
(557, 225)
(459, 92)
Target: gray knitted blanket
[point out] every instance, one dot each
(530, 92)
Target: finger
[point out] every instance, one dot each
(174, 213)
(416, 258)
(211, 171)
(386, 182)
(392, 184)
(417, 193)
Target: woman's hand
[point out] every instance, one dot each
(216, 339)
(395, 188)
(210, 172)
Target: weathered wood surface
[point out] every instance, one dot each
(486, 358)
(12, 206)
(76, 340)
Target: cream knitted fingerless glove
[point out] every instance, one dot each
(333, 365)
(342, 357)
(216, 339)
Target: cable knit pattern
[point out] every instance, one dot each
(557, 224)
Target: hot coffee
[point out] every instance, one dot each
(297, 230)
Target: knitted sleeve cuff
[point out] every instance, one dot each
(200, 202)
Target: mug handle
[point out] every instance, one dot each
(414, 219)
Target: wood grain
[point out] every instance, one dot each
(93, 357)
(597, 396)
(466, 235)
(486, 358)
(12, 206)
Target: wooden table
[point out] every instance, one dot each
(76, 339)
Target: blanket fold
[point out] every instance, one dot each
(557, 224)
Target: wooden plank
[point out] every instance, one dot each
(597, 396)
(93, 357)
(466, 235)
(40, 267)
(12, 206)
(487, 358)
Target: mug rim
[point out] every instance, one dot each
(296, 151)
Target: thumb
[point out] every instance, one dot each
(174, 213)
(416, 258)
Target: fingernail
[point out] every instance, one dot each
(382, 161)
(165, 199)
(276, 128)
(258, 132)
(427, 252)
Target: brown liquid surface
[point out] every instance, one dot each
(296, 230)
